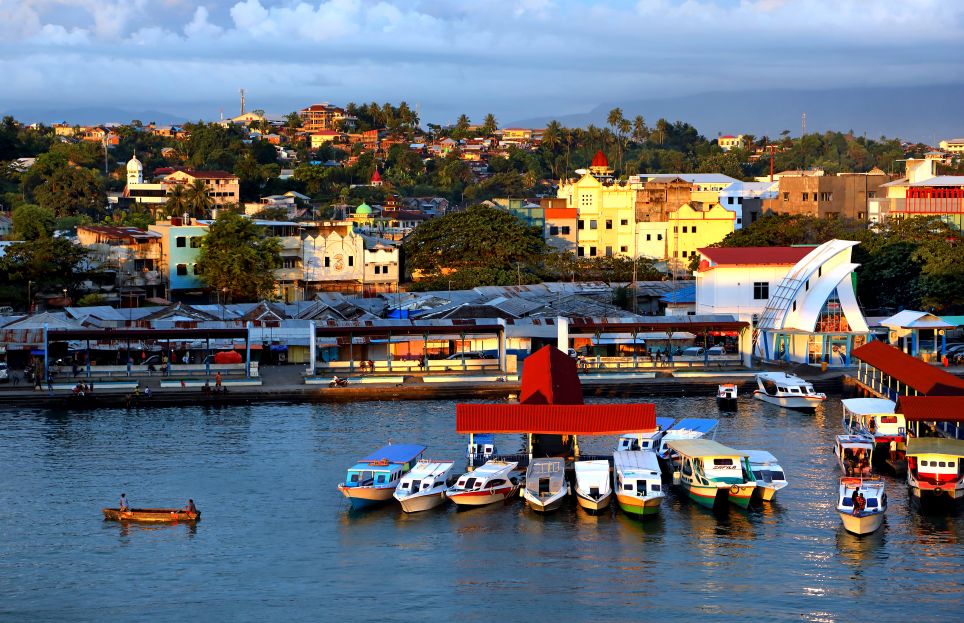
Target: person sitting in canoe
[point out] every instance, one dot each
(124, 507)
(190, 507)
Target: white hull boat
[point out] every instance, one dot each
(788, 391)
(593, 489)
(546, 487)
(726, 396)
(424, 487)
(486, 485)
(769, 475)
(866, 516)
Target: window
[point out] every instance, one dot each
(794, 306)
(582, 224)
(581, 252)
(806, 285)
(860, 215)
(826, 196)
(565, 230)
(722, 461)
(609, 223)
(872, 194)
(197, 269)
(553, 230)
(739, 221)
(684, 229)
(623, 222)
(196, 242)
(182, 270)
(684, 253)
(592, 224)
(675, 229)
(609, 251)
(378, 269)
(729, 200)
(806, 196)
(592, 251)
(624, 249)
(327, 262)
(180, 241)
(820, 271)
(351, 260)
(761, 290)
(693, 229)
(649, 237)
(659, 236)
(786, 196)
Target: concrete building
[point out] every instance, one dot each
(180, 241)
(138, 193)
(337, 258)
(843, 195)
(728, 142)
(132, 255)
(324, 116)
(606, 211)
(921, 193)
(560, 224)
(953, 146)
(685, 231)
(745, 200)
(800, 300)
(223, 187)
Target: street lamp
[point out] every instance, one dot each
(29, 299)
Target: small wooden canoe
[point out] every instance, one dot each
(151, 515)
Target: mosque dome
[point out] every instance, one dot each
(364, 208)
(134, 165)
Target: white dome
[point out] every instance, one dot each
(134, 164)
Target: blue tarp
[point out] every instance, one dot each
(398, 453)
(702, 425)
(483, 438)
(662, 423)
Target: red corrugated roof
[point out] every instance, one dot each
(913, 372)
(931, 408)
(549, 376)
(757, 256)
(613, 419)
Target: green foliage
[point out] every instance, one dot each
(478, 245)
(374, 117)
(566, 266)
(72, 190)
(91, 300)
(50, 263)
(31, 222)
(196, 199)
(238, 258)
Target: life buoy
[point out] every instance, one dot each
(938, 491)
(735, 489)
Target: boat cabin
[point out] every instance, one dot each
(935, 462)
(384, 467)
(708, 462)
(783, 384)
(874, 417)
(765, 467)
(481, 448)
(854, 454)
(545, 477)
(489, 476)
(426, 475)
(644, 441)
(637, 474)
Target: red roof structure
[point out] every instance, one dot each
(376, 177)
(931, 408)
(919, 376)
(755, 256)
(600, 160)
(552, 404)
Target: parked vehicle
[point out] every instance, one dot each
(4, 373)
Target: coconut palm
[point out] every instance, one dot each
(176, 203)
(198, 200)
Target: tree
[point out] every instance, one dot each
(477, 246)
(70, 191)
(197, 200)
(293, 121)
(31, 222)
(490, 125)
(176, 203)
(49, 262)
(238, 257)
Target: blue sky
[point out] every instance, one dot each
(516, 58)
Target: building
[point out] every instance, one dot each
(728, 142)
(745, 199)
(133, 256)
(560, 224)
(657, 196)
(323, 137)
(180, 241)
(99, 134)
(921, 193)
(337, 258)
(953, 146)
(324, 116)
(223, 187)
(529, 211)
(605, 209)
(683, 233)
(843, 195)
(136, 192)
(799, 300)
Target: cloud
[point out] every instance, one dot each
(517, 57)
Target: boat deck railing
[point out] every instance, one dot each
(479, 459)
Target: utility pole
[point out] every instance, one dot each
(803, 124)
(772, 149)
(242, 101)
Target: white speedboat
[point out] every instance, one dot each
(546, 487)
(644, 441)
(424, 487)
(769, 475)
(491, 483)
(787, 390)
(854, 454)
(686, 428)
(934, 469)
(861, 516)
(726, 395)
(638, 483)
(593, 490)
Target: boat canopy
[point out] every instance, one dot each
(636, 460)
(556, 419)
(483, 438)
(869, 406)
(397, 453)
(429, 468)
(781, 377)
(932, 408)
(855, 441)
(702, 447)
(696, 424)
(760, 457)
(935, 445)
(493, 468)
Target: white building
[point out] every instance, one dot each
(800, 301)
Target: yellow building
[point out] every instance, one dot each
(729, 142)
(606, 212)
(686, 230)
(953, 146)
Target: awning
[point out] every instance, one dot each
(934, 445)
(912, 372)
(550, 419)
(931, 408)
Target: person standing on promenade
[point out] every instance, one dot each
(217, 380)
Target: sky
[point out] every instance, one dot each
(515, 58)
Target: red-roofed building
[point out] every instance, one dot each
(752, 256)
(376, 178)
(223, 187)
(893, 373)
(728, 142)
(324, 117)
(600, 164)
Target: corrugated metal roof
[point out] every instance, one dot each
(702, 447)
(555, 419)
(931, 408)
(756, 256)
(934, 445)
(913, 372)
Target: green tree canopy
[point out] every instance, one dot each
(238, 258)
(72, 190)
(49, 263)
(31, 222)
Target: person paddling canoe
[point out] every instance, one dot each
(124, 507)
(190, 507)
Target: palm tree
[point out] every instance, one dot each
(624, 129)
(198, 201)
(176, 203)
(550, 141)
(640, 131)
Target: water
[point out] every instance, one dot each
(277, 541)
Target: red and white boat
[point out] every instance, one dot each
(934, 469)
(491, 483)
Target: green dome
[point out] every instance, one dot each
(364, 208)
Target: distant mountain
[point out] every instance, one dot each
(91, 115)
(926, 114)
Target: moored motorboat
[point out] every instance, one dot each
(686, 428)
(424, 487)
(488, 484)
(151, 515)
(876, 418)
(861, 504)
(593, 490)
(644, 441)
(787, 390)
(546, 487)
(934, 470)
(769, 475)
(711, 472)
(726, 396)
(637, 482)
(854, 454)
(373, 479)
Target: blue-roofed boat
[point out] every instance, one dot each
(372, 480)
(686, 428)
(644, 441)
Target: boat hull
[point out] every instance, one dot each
(937, 494)
(151, 515)
(727, 404)
(545, 505)
(366, 497)
(639, 507)
(593, 505)
(766, 493)
(707, 496)
(863, 524)
(798, 403)
(421, 501)
(482, 498)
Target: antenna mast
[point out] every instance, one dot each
(803, 124)
(242, 101)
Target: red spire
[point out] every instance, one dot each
(376, 177)
(600, 160)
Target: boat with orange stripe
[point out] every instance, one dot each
(712, 473)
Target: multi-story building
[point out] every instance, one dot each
(561, 222)
(657, 196)
(728, 142)
(745, 199)
(685, 230)
(842, 195)
(132, 255)
(180, 241)
(137, 192)
(953, 146)
(223, 187)
(606, 211)
(337, 258)
(98, 134)
(922, 193)
(323, 116)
